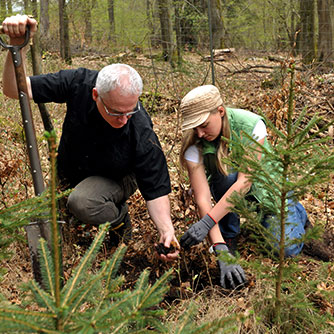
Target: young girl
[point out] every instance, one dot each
(205, 121)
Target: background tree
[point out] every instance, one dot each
(166, 30)
(111, 17)
(193, 22)
(37, 68)
(177, 24)
(87, 12)
(325, 42)
(26, 4)
(217, 24)
(44, 23)
(307, 30)
(282, 10)
(3, 9)
(9, 7)
(244, 16)
(293, 23)
(150, 21)
(65, 51)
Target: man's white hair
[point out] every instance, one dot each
(120, 76)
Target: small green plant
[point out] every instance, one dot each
(12, 219)
(299, 160)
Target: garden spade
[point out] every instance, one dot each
(40, 228)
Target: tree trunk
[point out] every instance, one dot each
(61, 28)
(325, 42)
(34, 47)
(9, 7)
(149, 17)
(3, 9)
(264, 24)
(26, 4)
(37, 69)
(178, 31)
(44, 24)
(63, 32)
(217, 24)
(307, 30)
(292, 35)
(111, 16)
(166, 30)
(87, 9)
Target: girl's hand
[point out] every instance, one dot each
(197, 232)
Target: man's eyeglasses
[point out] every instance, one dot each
(116, 113)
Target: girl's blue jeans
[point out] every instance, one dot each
(230, 224)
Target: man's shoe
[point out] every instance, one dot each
(317, 249)
(120, 229)
(126, 229)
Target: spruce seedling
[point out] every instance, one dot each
(299, 160)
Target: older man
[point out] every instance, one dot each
(108, 146)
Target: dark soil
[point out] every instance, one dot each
(196, 269)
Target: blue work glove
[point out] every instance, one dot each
(197, 232)
(231, 275)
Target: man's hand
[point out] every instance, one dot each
(197, 232)
(169, 242)
(159, 210)
(15, 27)
(231, 275)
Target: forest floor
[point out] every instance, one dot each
(251, 82)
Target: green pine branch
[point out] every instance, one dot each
(300, 158)
(84, 265)
(47, 268)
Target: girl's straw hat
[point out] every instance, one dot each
(197, 105)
